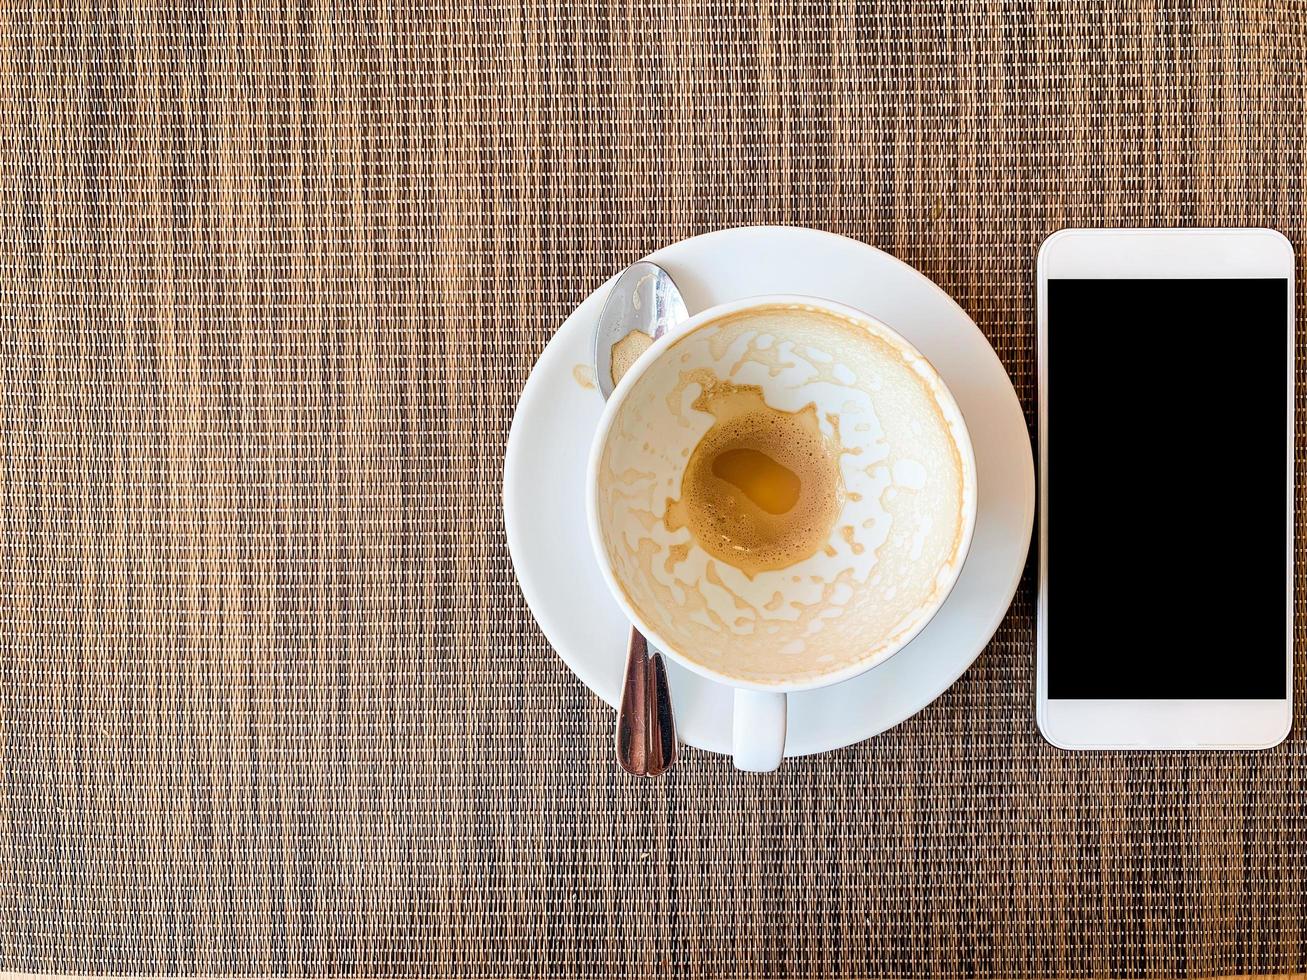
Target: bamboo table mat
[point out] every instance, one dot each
(271, 279)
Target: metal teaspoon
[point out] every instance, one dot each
(644, 298)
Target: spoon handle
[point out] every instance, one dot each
(646, 734)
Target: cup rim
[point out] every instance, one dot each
(962, 440)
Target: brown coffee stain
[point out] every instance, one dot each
(769, 357)
(714, 577)
(762, 487)
(647, 518)
(584, 375)
(846, 532)
(626, 352)
(778, 356)
(676, 554)
(694, 605)
(833, 421)
(694, 602)
(633, 475)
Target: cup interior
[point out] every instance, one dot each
(905, 514)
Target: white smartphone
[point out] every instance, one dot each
(1165, 615)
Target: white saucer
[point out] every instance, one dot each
(544, 485)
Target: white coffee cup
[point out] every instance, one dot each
(893, 553)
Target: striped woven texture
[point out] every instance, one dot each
(271, 280)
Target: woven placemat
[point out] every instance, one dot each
(271, 280)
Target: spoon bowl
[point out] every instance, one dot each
(643, 299)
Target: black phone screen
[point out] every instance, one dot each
(1166, 470)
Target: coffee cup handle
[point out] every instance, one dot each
(758, 730)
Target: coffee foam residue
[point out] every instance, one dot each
(584, 375)
(626, 352)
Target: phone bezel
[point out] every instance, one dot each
(1140, 253)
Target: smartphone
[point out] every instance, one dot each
(1165, 612)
